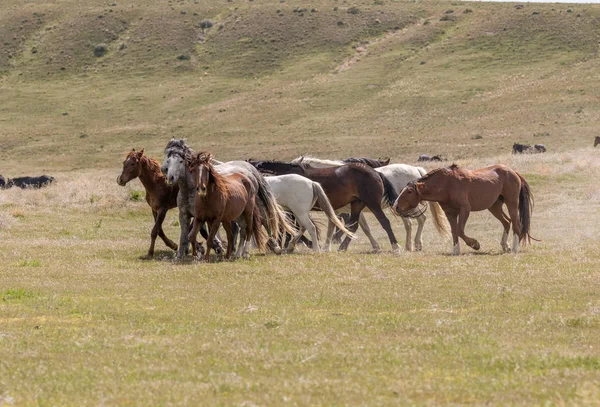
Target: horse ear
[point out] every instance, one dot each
(141, 152)
(419, 186)
(133, 150)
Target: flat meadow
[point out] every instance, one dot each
(85, 321)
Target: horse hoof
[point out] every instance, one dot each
(476, 246)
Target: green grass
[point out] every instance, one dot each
(85, 321)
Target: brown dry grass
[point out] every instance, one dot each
(84, 321)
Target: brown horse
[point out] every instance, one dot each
(596, 141)
(223, 199)
(356, 185)
(160, 196)
(460, 191)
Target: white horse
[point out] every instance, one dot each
(299, 195)
(399, 175)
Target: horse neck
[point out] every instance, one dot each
(150, 173)
(220, 183)
(433, 192)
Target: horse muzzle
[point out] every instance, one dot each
(120, 181)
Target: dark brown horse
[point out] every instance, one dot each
(223, 199)
(160, 196)
(596, 141)
(460, 191)
(357, 185)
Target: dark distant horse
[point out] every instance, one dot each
(460, 191)
(223, 199)
(425, 157)
(159, 196)
(357, 185)
(30, 182)
(596, 141)
(2, 182)
(527, 149)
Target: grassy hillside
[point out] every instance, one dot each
(85, 321)
(278, 79)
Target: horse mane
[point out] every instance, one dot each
(371, 162)
(218, 179)
(306, 159)
(436, 171)
(152, 165)
(179, 147)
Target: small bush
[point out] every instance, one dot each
(136, 196)
(184, 57)
(100, 50)
(353, 10)
(204, 24)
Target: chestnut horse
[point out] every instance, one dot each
(160, 196)
(223, 199)
(460, 191)
(357, 185)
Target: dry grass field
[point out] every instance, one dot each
(85, 321)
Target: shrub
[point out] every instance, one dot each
(100, 50)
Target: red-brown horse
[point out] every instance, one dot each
(460, 191)
(223, 199)
(160, 196)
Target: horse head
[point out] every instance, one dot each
(200, 166)
(408, 199)
(131, 167)
(174, 167)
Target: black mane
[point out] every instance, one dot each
(371, 162)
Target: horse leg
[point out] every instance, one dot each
(305, 224)
(452, 217)
(235, 229)
(362, 222)
(463, 216)
(330, 229)
(513, 213)
(292, 243)
(337, 236)
(216, 241)
(184, 243)
(356, 208)
(228, 226)
(248, 215)
(192, 236)
(243, 237)
(496, 210)
(160, 218)
(419, 235)
(153, 235)
(214, 227)
(408, 228)
(385, 224)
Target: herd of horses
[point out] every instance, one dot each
(266, 200)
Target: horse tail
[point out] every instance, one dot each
(275, 221)
(258, 233)
(439, 219)
(525, 211)
(326, 207)
(389, 192)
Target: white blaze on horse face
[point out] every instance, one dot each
(202, 179)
